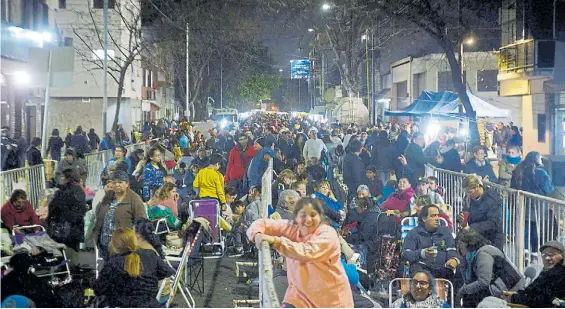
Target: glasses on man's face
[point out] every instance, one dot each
(549, 255)
(422, 284)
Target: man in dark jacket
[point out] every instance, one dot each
(484, 213)
(430, 246)
(285, 143)
(354, 174)
(414, 154)
(451, 159)
(480, 165)
(9, 151)
(549, 285)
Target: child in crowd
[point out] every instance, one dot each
(315, 170)
(433, 185)
(373, 182)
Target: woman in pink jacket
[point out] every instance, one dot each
(316, 278)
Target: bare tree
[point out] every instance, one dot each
(448, 22)
(124, 38)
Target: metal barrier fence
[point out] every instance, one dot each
(529, 220)
(267, 294)
(33, 178)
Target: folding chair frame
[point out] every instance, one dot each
(51, 273)
(221, 239)
(437, 282)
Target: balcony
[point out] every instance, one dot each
(148, 93)
(526, 58)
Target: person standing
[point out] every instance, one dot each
(355, 174)
(55, 145)
(313, 147)
(9, 151)
(238, 162)
(33, 153)
(93, 138)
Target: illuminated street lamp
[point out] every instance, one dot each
(310, 30)
(326, 6)
(468, 41)
(363, 37)
(280, 70)
(22, 78)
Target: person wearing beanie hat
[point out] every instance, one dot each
(549, 285)
(120, 208)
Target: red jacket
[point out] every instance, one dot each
(238, 162)
(12, 215)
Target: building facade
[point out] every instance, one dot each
(410, 76)
(531, 68)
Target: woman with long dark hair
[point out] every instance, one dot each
(65, 223)
(530, 176)
(153, 173)
(516, 138)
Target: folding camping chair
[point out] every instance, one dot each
(210, 210)
(180, 281)
(54, 267)
(408, 223)
(443, 289)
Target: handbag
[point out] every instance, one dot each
(59, 231)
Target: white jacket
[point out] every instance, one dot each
(313, 148)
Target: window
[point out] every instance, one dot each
(62, 4)
(445, 81)
(487, 80)
(418, 84)
(541, 128)
(99, 4)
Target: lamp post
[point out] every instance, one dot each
(468, 41)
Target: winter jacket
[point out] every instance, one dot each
(485, 216)
(238, 162)
(505, 170)
(451, 161)
(10, 158)
(78, 165)
(500, 137)
(183, 141)
(12, 215)
(354, 172)
(419, 239)
(382, 155)
(486, 170)
(127, 211)
(68, 206)
(258, 166)
(94, 140)
(123, 291)
(202, 162)
(550, 284)
(366, 226)
(30, 286)
(491, 272)
(313, 149)
(398, 201)
(331, 209)
(54, 147)
(313, 264)
(375, 187)
(80, 143)
(34, 156)
(416, 159)
(285, 147)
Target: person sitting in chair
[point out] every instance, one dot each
(17, 211)
(421, 294)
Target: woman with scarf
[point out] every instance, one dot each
(487, 270)
(508, 165)
(421, 293)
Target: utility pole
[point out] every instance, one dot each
(46, 107)
(372, 113)
(187, 86)
(105, 98)
(222, 81)
(367, 69)
(460, 19)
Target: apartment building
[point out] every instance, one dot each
(532, 69)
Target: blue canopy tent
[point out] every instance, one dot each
(446, 104)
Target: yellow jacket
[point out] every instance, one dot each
(210, 184)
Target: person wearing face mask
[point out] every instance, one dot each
(550, 284)
(479, 165)
(508, 165)
(312, 253)
(421, 294)
(484, 212)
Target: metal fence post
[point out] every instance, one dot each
(520, 231)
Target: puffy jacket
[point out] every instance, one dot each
(258, 166)
(366, 226)
(485, 216)
(238, 162)
(419, 239)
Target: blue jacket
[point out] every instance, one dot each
(183, 142)
(259, 166)
(331, 209)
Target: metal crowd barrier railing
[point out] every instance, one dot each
(267, 294)
(529, 220)
(33, 178)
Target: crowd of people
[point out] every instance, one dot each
(340, 194)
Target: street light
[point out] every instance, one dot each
(280, 70)
(326, 6)
(310, 30)
(22, 78)
(469, 41)
(363, 37)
